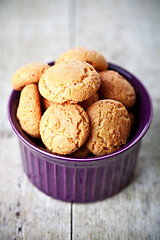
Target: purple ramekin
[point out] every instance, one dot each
(88, 179)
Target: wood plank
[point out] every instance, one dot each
(31, 31)
(126, 33)
(25, 212)
(131, 214)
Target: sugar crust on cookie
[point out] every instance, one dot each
(64, 128)
(72, 81)
(92, 57)
(114, 86)
(110, 126)
(28, 74)
(29, 110)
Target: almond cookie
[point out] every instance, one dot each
(110, 126)
(133, 119)
(90, 56)
(64, 128)
(86, 103)
(114, 86)
(29, 110)
(46, 103)
(71, 81)
(82, 152)
(28, 74)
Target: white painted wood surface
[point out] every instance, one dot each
(128, 34)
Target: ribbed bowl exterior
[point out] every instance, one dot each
(79, 183)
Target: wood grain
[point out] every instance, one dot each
(32, 31)
(127, 33)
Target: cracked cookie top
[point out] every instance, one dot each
(64, 128)
(28, 74)
(92, 57)
(110, 126)
(71, 81)
(114, 86)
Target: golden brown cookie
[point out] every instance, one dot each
(71, 81)
(29, 110)
(82, 152)
(64, 128)
(86, 103)
(28, 74)
(46, 103)
(90, 56)
(133, 119)
(110, 126)
(114, 86)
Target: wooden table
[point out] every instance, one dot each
(128, 34)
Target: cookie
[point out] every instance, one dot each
(29, 110)
(71, 81)
(46, 103)
(90, 56)
(133, 119)
(110, 126)
(28, 74)
(114, 86)
(86, 103)
(82, 152)
(64, 128)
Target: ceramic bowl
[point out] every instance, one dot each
(89, 179)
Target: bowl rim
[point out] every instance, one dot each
(51, 156)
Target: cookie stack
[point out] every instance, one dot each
(60, 104)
